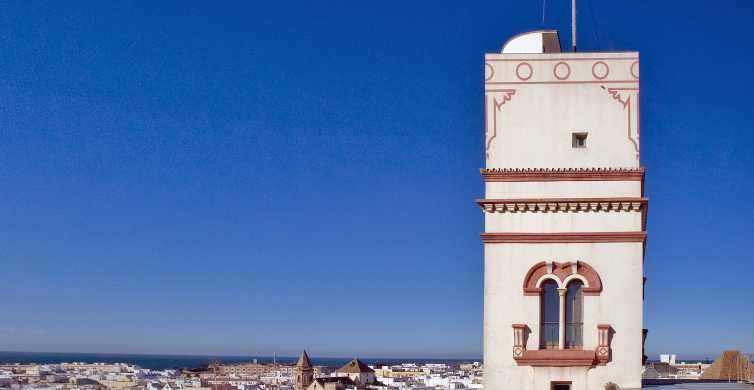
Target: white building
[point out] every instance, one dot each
(565, 218)
(667, 358)
(358, 372)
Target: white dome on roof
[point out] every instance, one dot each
(533, 42)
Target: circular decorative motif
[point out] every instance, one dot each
(602, 351)
(561, 71)
(489, 71)
(517, 351)
(522, 73)
(600, 70)
(635, 69)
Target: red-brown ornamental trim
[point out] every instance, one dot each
(567, 174)
(562, 271)
(557, 358)
(603, 326)
(562, 204)
(560, 238)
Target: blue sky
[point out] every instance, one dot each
(249, 178)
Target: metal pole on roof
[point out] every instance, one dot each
(573, 25)
(544, 7)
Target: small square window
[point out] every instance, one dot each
(560, 386)
(578, 140)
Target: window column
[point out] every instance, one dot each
(561, 323)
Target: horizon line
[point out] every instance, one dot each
(347, 357)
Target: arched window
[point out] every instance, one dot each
(549, 315)
(574, 315)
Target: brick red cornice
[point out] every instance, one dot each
(557, 358)
(562, 174)
(576, 237)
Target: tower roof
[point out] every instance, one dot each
(730, 365)
(303, 361)
(355, 366)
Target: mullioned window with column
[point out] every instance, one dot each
(561, 288)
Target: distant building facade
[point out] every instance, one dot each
(565, 218)
(353, 375)
(246, 369)
(667, 358)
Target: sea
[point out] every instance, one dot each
(162, 362)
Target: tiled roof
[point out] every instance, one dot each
(731, 365)
(355, 366)
(664, 369)
(334, 379)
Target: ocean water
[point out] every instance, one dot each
(161, 362)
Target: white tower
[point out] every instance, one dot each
(565, 218)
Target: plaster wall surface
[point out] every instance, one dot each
(619, 305)
(563, 222)
(531, 113)
(562, 189)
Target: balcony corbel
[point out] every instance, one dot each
(604, 337)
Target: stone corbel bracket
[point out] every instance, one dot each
(561, 205)
(604, 339)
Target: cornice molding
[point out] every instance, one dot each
(562, 174)
(562, 238)
(562, 205)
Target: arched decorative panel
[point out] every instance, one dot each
(561, 273)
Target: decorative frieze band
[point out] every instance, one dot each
(562, 205)
(562, 174)
(560, 238)
(506, 69)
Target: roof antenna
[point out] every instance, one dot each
(573, 25)
(544, 7)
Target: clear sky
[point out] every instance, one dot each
(242, 178)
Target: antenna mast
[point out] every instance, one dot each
(573, 25)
